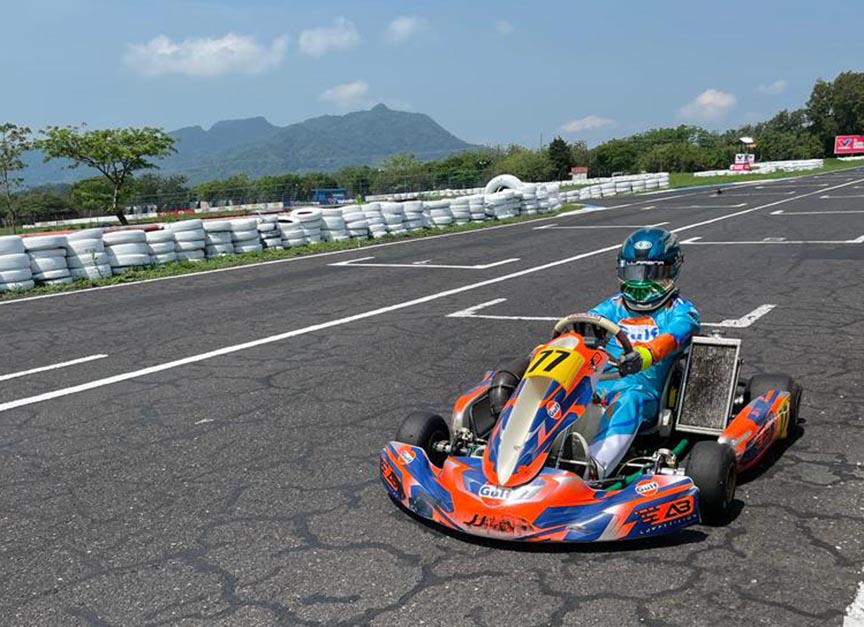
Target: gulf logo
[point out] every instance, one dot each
(553, 408)
(640, 329)
(408, 456)
(647, 488)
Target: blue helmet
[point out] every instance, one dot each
(648, 264)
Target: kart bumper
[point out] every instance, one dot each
(556, 506)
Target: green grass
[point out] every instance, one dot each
(685, 179)
(243, 259)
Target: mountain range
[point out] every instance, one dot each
(255, 147)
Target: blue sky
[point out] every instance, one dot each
(490, 72)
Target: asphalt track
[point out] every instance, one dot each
(219, 466)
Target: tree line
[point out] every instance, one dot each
(121, 155)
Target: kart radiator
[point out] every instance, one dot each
(709, 384)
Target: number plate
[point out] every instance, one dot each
(558, 364)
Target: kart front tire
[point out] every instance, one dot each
(762, 383)
(712, 467)
(423, 429)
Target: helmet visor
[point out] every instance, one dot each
(645, 271)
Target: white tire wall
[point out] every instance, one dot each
(502, 181)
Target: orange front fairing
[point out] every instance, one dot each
(555, 391)
(756, 427)
(556, 506)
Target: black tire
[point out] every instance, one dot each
(761, 383)
(711, 465)
(423, 429)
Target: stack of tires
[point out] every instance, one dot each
(160, 244)
(355, 221)
(271, 236)
(607, 189)
(377, 226)
(15, 272)
(291, 231)
(333, 228)
(460, 209)
(189, 240)
(554, 198)
(310, 223)
(126, 249)
(86, 256)
(414, 216)
(217, 238)
(244, 235)
(502, 205)
(530, 205)
(638, 186)
(394, 217)
(438, 213)
(542, 199)
(476, 208)
(622, 187)
(48, 258)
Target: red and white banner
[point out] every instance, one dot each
(848, 144)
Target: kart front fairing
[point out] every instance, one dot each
(555, 506)
(557, 388)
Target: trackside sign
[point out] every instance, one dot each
(848, 144)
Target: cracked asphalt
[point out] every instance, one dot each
(243, 489)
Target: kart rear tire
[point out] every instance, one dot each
(712, 467)
(761, 383)
(423, 429)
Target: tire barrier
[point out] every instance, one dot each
(767, 167)
(94, 253)
(86, 256)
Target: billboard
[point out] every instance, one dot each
(848, 144)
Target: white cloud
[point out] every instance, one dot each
(346, 95)
(710, 105)
(587, 123)
(774, 89)
(504, 27)
(316, 42)
(403, 28)
(206, 57)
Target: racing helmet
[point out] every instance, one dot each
(648, 265)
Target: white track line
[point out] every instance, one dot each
(855, 612)
(64, 364)
(362, 262)
(227, 350)
(599, 226)
(780, 212)
(471, 312)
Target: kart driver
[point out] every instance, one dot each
(660, 325)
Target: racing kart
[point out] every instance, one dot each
(524, 475)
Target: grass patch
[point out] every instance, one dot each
(686, 179)
(243, 259)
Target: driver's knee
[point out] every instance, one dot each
(504, 382)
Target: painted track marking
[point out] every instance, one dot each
(227, 350)
(63, 364)
(471, 312)
(363, 262)
(546, 227)
(780, 212)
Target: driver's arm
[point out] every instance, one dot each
(676, 333)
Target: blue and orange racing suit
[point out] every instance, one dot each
(634, 400)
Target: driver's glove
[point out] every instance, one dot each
(637, 360)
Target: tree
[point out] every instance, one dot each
(163, 191)
(14, 141)
(95, 195)
(115, 153)
(561, 158)
(44, 204)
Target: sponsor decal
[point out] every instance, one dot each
(553, 408)
(640, 329)
(647, 487)
(391, 479)
(848, 144)
(497, 493)
(408, 455)
(663, 513)
(642, 245)
(500, 524)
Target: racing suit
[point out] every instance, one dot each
(634, 400)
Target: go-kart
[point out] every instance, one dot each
(524, 475)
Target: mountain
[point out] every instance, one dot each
(255, 147)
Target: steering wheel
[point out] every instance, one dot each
(597, 329)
